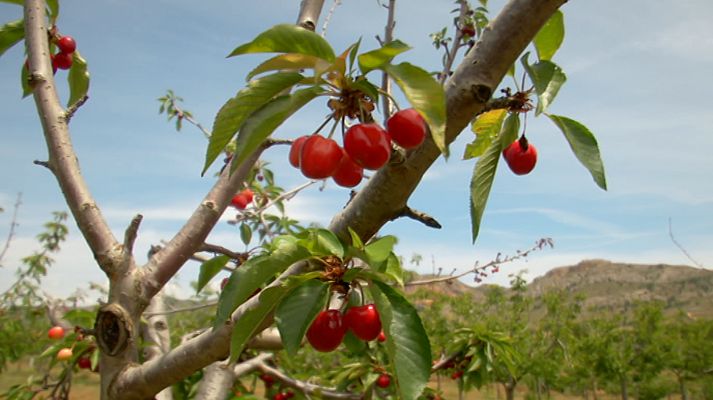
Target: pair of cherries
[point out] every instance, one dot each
(329, 327)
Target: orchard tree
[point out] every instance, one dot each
(328, 285)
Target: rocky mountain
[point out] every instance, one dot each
(612, 286)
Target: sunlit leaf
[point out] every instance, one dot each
(378, 250)
(209, 269)
(234, 112)
(288, 38)
(10, 34)
(380, 57)
(548, 79)
(425, 95)
(286, 62)
(246, 326)
(407, 343)
(549, 39)
(297, 311)
(78, 78)
(480, 184)
(324, 242)
(486, 128)
(584, 145)
(510, 130)
(260, 124)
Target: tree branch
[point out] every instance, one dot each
(306, 387)
(218, 379)
(13, 225)
(62, 157)
(419, 216)
(388, 37)
(309, 13)
(155, 332)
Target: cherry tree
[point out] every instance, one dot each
(276, 295)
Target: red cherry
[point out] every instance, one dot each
(67, 44)
(279, 396)
(268, 379)
(289, 394)
(296, 149)
(349, 173)
(383, 381)
(62, 61)
(382, 337)
(327, 331)
(363, 321)
(84, 363)
(521, 156)
(456, 374)
(368, 145)
(320, 157)
(56, 333)
(248, 195)
(239, 201)
(407, 128)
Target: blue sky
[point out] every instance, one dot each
(638, 77)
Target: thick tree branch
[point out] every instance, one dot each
(309, 13)
(167, 261)
(62, 158)
(218, 379)
(386, 193)
(155, 332)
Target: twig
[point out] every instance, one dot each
(451, 54)
(13, 225)
(306, 387)
(688, 255)
(180, 310)
(45, 164)
(388, 37)
(419, 216)
(214, 248)
(328, 18)
(539, 245)
(74, 107)
(131, 233)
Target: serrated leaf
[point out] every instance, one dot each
(324, 242)
(378, 250)
(209, 269)
(380, 57)
(297, 311)
(78, 79)
(236, 110)
(246, 326)
(288, 38)
(486, 128)
(253, 273)
(549, 39)
(260, 124)
(286, 62)
(246, 234)
(393, 269)
(510, 130)
(547, 77)
(480, 184)
(426, 95)
(584, 145)
(10, 34)
(406, 341)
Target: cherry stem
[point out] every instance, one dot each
(326, 121)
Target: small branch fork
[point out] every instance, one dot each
(305, 387)
(680, 247)
(477, 269)
(13, 225)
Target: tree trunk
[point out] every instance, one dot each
(594, 389)
(682, 386)
(510, 389)
(538, 389)
(624, 388)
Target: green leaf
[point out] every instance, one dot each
(548, 79)
(253, 273)
(297, 311)
(78, 79)
(510, 130)
(288, 62)
(258, 126)
(550, 37)
(380, 57)
(10, 34)
(324, 242)
(355, 345)
(25, 82)
(246, 234)
(234, 112)
(353, 50)
(393, 269)
(288, 38)
(584, 145)
(247, 325)
(425, 95)
(407, 342)
(486, 127)
(356, 240)
(209, 269)
(480, 184)
(380, 249)
(53, 6)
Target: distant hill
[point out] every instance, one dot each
(612, 286)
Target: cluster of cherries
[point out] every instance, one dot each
(521, 156)
(242, 199)
(269, 380)
(327, 330)
(366, 146)
(65, 354)
(458, 366)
